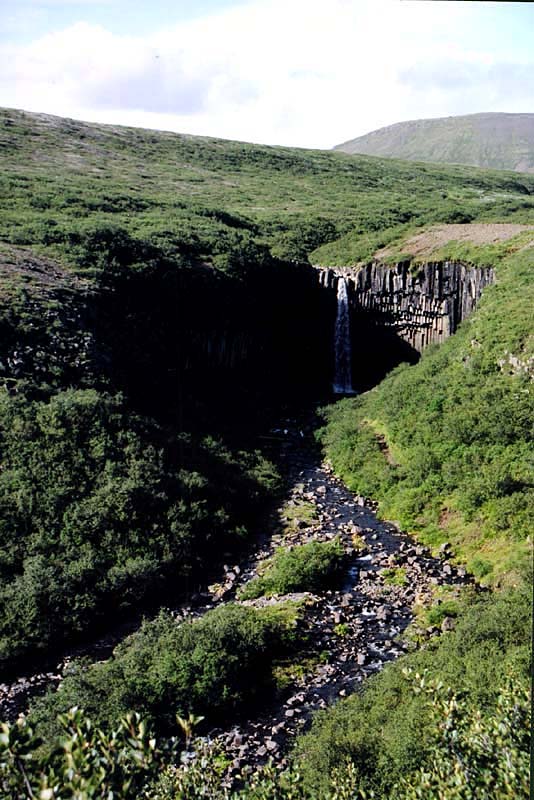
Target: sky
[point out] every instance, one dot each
(305, 73)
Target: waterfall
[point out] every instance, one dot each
(342, 374)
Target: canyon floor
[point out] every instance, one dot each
(351, 632)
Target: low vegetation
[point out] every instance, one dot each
(303, 568)
(298, 514)
(208, 667)
(394, 576)
(229, 203)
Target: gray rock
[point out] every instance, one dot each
(271, 745)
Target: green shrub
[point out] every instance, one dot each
(470, 754)
(97, 510)
(304, 568)
(85, 761)
(437, 613)
(474, 754)
(209, 666)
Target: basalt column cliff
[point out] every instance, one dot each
(395, 312)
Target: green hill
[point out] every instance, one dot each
(210, 196)
(492, 141)
(157, 303)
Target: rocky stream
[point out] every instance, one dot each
(351, 631)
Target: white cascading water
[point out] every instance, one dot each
(342, 374)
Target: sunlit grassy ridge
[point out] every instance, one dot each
(207, 196)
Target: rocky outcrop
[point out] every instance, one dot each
(424, 305)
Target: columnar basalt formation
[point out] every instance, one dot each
(424, 305)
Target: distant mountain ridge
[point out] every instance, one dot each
(490, 140)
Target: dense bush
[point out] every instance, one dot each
(209, 666)
(102, 508)
(84, 762)
(474, 755)
(304, 568)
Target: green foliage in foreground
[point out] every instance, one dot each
(98, 510)
(458, 426)
(472, 756)
(386, 731)
(304, 568)
(209, 666)
(84, 762)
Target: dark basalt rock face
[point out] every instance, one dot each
(424, 306)
(396, 311)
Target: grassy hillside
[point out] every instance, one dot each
(492, 141)
(221, 200)
(126, 258)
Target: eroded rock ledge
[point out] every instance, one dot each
(424, 305)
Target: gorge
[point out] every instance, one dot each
(364, 310)
(194, 522)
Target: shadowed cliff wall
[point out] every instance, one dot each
(424, 306)
(397, 311)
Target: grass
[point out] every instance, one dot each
(209, 195)
(297, 514)
(488, 255)
(394, 576)
(287, 672)
(304, 568)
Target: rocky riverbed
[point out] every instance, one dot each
(351, 631)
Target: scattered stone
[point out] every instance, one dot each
(271, 745)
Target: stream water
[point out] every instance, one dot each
(351, 631)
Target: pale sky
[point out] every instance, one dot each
(308, 73)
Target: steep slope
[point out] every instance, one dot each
(492, 141)
(445, 445)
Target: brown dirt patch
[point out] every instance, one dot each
(426, 242)
(38, 275)
(384, 449)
